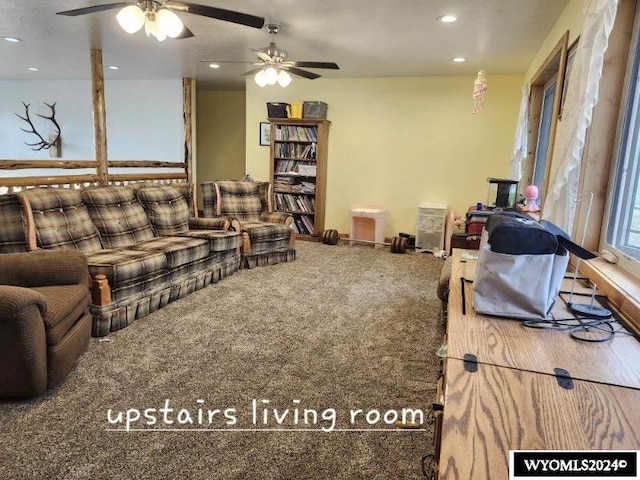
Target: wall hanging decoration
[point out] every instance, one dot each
(479, 89)
(265, 133)
(54, 142)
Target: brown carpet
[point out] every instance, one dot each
(340, 328)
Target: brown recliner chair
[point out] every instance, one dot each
(45, 324)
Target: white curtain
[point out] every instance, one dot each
(519, 154)
(581, 96)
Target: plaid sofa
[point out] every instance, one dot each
(141, 239)
(267, 235)
(13, 237)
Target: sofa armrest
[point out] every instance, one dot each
(23, 343)
(208, 223)
(44, 267)
(13, 300)
(276, 217)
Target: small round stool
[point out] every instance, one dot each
(367, 223)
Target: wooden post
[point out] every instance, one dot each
(100, 290)
(32, 243)
(187, 89)
(99, 116)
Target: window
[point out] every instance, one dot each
(544, 106)
(623, 225)
(544, 131)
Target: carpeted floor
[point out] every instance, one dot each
(339, 329)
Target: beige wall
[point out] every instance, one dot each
(220, 135)
(400, 141)
(572, 19)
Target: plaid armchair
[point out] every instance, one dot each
(267, 235)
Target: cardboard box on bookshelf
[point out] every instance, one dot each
(277, 110)
(317, 110)
(309, 170)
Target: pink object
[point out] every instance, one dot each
(531, 194)
(479, 89)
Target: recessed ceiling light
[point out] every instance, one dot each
(11, 39)
(114, 67)
(448, 18)
(33, 69)
(459, 59)
(214, 65)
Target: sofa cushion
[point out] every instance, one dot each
(166, 208)
(219, 241)
(65, 305)
(118, 215)
(62, 220)
(122, 266)
(239, 199)
(12, 234)
(178, 250)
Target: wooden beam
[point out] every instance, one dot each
(65, 164)
(144, 164)
(99, 116)
(134, 177)
(187, 92)
(55, 180)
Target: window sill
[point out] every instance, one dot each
(622, 289)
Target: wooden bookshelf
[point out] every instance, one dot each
(298, 171)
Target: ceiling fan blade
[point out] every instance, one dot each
(251, 72)
(302, 73)
(219, 13)
(261, 55)
(186, 33)
(97, 8)
(329, 65)
(231, 61)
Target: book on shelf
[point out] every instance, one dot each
(295, 151)
(296, 133)
(308, 223)
(294, 203)
(303, 224)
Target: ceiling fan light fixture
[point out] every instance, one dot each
(271, 75)
(260, 79)
(151, 27)
(131, 18)
(169, 22)
(284, 79)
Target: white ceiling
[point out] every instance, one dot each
(367, 38)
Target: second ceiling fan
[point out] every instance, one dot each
(274, 67)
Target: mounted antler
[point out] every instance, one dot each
(42, 144)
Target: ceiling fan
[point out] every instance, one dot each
(273, 65)
(159, 20)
